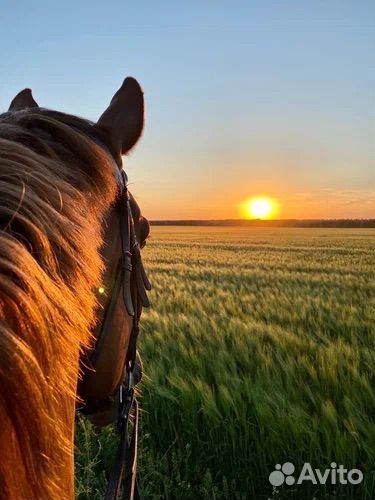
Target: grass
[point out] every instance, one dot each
(258, 350)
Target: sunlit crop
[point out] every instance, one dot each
(258, 349)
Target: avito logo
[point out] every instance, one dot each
(335, 475)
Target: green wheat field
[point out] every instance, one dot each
(258, 350)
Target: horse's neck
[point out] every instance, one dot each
(27, 475)
(49, 266)
(43, 324)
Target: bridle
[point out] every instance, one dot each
(130, 285)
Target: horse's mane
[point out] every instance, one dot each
(55, 186)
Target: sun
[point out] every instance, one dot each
(259, 208)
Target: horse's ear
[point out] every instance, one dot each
(23, 100)
(121, 124)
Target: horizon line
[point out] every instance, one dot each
(280, 223)
(359, 219)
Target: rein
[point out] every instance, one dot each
(131, 284)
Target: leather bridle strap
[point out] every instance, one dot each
(131, 284)
(124, 468)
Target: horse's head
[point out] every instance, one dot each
(116, 132)
(71, 282)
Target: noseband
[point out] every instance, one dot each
(130, 285)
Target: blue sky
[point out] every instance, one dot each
(243, 98)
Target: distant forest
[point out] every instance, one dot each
(270, 223)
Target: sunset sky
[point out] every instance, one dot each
(244, 99)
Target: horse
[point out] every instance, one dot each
(72, 284)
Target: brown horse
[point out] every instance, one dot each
(57, 195)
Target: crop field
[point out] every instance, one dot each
(258, 350)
